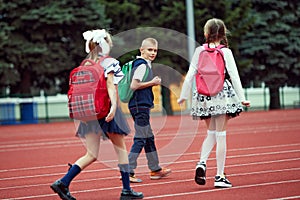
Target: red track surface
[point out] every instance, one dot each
(263, 160)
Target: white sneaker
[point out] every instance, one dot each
(222, 182)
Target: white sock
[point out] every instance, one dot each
(207, 145)
(221, 152)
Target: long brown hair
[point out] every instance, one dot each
(215, 30)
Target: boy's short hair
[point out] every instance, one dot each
(149, 40)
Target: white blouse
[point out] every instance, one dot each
(231, 69)
(111, 64)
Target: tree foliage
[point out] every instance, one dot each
(274, 46)
(42, 41)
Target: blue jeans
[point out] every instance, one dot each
(143, 138)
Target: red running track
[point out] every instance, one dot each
(263, 160)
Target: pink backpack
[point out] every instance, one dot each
(88, 96)
(211, 71)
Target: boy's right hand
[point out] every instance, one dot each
(156, 80)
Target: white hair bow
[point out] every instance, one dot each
(98, 36)
(88, 35)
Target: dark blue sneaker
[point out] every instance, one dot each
(63, 191)
(130, 194)
(200, 175)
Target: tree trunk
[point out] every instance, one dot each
(166, 101)
(23, 88)
(274, 97)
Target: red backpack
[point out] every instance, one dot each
(88, 96)
(211, 71)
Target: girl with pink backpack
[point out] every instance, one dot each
(214, 109)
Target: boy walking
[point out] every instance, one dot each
(139, 106)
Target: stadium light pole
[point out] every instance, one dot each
(190, 27)
(191, 34)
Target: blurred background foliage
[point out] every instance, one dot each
(41, 41)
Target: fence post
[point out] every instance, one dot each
(46, 107)
(246, 95)
(265, 98)
(282, 97)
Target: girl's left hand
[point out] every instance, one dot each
(111, 114)
(246, 103)
(180, 101)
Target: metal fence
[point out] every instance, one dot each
(52, 108)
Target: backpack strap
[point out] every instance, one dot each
(138, 61)
(88, 60)
(101, 59)
(85, 61)
(218, 48)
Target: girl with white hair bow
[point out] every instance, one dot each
(100, 37)
(114, 126)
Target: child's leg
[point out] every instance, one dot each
(210, 140)
(141, 124)
(208, 145)
(136, 149)
(118, 141)
(92, 145)
(152, 155)
(221, 152)
(221, 123)
(120, 148)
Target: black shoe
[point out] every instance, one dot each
(130, 194)
(222, 182)
(63, 191)
(200, 175)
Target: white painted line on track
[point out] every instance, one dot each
(177, 162)
(166, 135)
(180, 181)
(286, 198)
(38, 144)
(170, 155)
(218, 190)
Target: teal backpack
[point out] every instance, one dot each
(124, 90)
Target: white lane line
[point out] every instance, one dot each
(165, 135)
(286, 198)
(177, 162)
(177, 171)
(22, 141)
(180, 181)
(170, 155)
(214, 190)
(39, 144)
